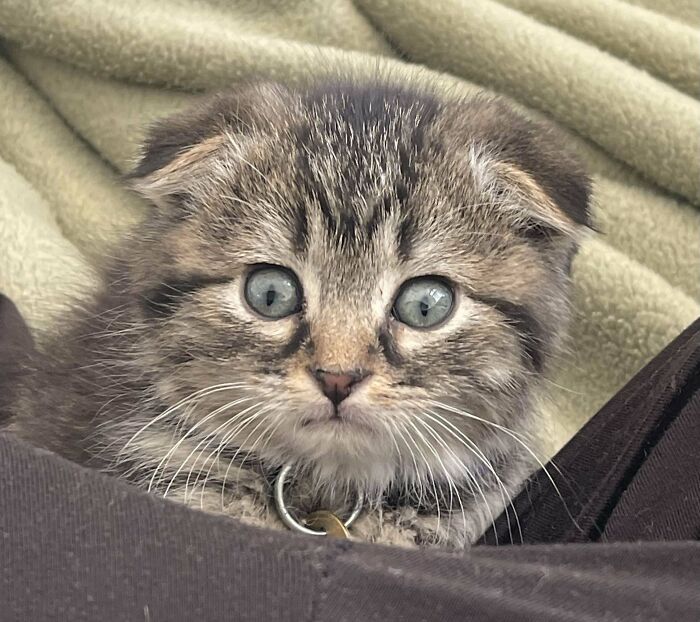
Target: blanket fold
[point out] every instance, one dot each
(80, 81)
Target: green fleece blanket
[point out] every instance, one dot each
(79, 81)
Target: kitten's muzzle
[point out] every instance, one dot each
(337, 386)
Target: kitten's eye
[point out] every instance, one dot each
(423, 302)
(273, 292)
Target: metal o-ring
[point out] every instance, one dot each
(293, 523)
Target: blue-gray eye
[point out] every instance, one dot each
(273, 292)
(423, 302)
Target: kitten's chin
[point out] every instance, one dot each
(344, 447)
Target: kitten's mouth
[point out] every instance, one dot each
(337, 419)
(333, 420)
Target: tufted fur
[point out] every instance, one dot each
(171, 381)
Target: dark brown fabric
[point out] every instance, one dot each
(77, 545)
(633, 472)
(14, 333)
(15, 339)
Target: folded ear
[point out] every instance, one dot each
(175, 147)
(529, 167)
(167, 184)
(538, 208)
(180, 150)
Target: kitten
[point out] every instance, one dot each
(365, 282)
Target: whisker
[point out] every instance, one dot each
(209, 439)
(245, 440)
(164, 462)
(427, 466)
(417, 478)
(196, 394)
(450, 480)
(262, 435)
(473, 478)
(226, 437)
(517, 437)
(240, 445)
(217, 453)
(390, 431)
(232, 420)
(474, 449)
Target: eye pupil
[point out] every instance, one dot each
(270, 297)
(423, 302)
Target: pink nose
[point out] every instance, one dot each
(337, 387)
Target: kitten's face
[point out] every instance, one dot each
(365, 268)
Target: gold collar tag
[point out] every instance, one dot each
(323, 520)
